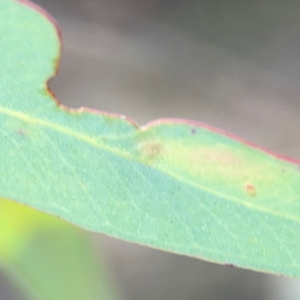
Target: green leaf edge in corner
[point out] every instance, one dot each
(50, 259)
(174, 185)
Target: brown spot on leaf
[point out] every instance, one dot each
(150, 149)
(250, 189)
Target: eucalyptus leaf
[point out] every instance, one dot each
(174, 185)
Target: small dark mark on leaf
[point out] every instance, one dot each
(230, 265)
(21, 132)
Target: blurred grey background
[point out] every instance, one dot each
(232, 64)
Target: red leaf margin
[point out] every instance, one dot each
(131, 121)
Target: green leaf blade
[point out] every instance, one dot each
(173, 185)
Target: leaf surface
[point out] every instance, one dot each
(174, 185)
